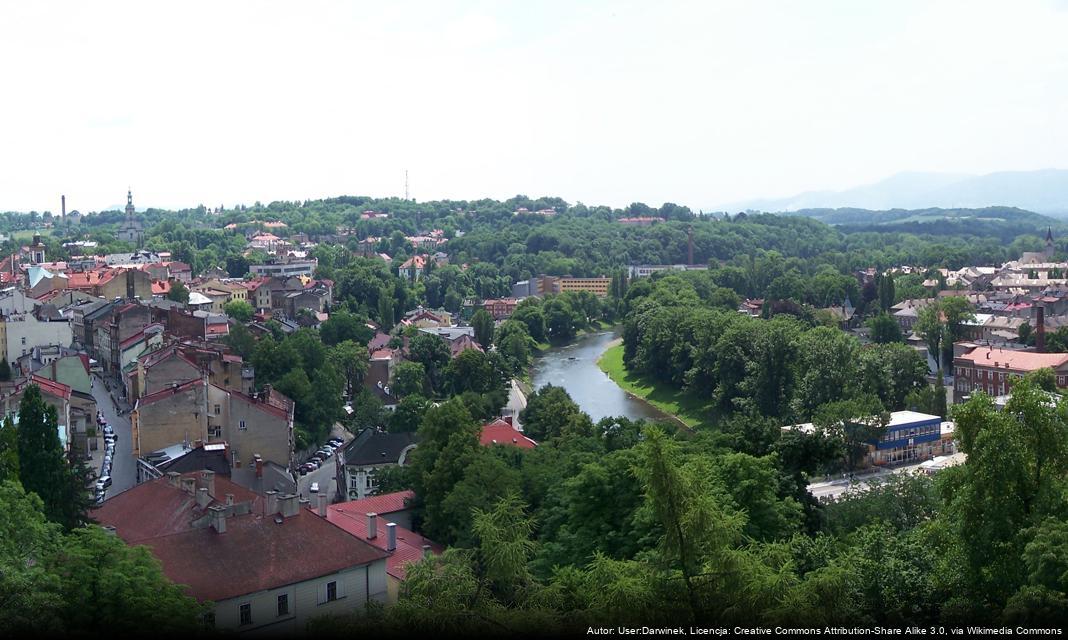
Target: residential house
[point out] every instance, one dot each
(262, 564)
(70, 369)
(423, 318)
(502, 432)
(413, 268)
(360, 519)
(21, 332)
(197, 410)
(54, 394)
(370, 451)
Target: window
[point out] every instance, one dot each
(246, 614)
(242, 426)
(283, 604)
(218, 409)
(331, 591)
(23, 339)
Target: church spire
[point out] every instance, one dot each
(1049, 234)
(129, 203)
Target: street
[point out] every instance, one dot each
(832, 489)
(123, 464)
(516, 403)
(325, 475)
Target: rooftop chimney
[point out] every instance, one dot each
(289, 505)
(259, 465)
(218, 518)
(203, 497)
(508, 419)
(372, 526)
(426, 551)
(322, 504)
(229, 499)
(189, 485)
(391, 536)
(207, 480)
(272, 502)
(174, 479)
(1040, 339)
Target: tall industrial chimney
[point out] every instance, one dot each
(689, 245)
(63, 207)
(1040, 339)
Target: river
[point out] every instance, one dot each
(574, 367)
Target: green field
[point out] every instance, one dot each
(26, 235)
(694, 412)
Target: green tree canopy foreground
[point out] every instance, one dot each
(86, 581)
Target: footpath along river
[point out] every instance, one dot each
(574, 367)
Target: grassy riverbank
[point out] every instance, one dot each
(687, 408)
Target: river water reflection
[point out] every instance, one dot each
(574, 367)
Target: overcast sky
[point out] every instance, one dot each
(600, 102)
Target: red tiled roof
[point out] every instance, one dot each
(254, 554)
(51, 387)
(382, 504)
(90, 279)
(160, 287)
(1014, 360)
(382, 354)
(353, 521)
(461, 344)
(419, 262)
(153, 509)
(500, 432)
(216, 329)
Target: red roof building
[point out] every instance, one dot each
(990, 369)
(501, 431)
(259, 560)
(403, 545)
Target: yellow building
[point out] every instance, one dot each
(597, 286)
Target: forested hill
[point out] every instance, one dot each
(1002, 222)
(575, 239)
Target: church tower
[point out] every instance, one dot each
(1049, 243)
(132, 231)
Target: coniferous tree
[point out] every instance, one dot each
(42, 467)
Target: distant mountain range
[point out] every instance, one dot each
(1044, 191)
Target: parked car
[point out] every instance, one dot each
(315, 462)
(103, 483)
(314, 487)
(108, 429)
(99, 498)
(337, 441)
(303, 470)
(326, 453)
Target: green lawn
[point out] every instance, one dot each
(693, 411)
(26, 235)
